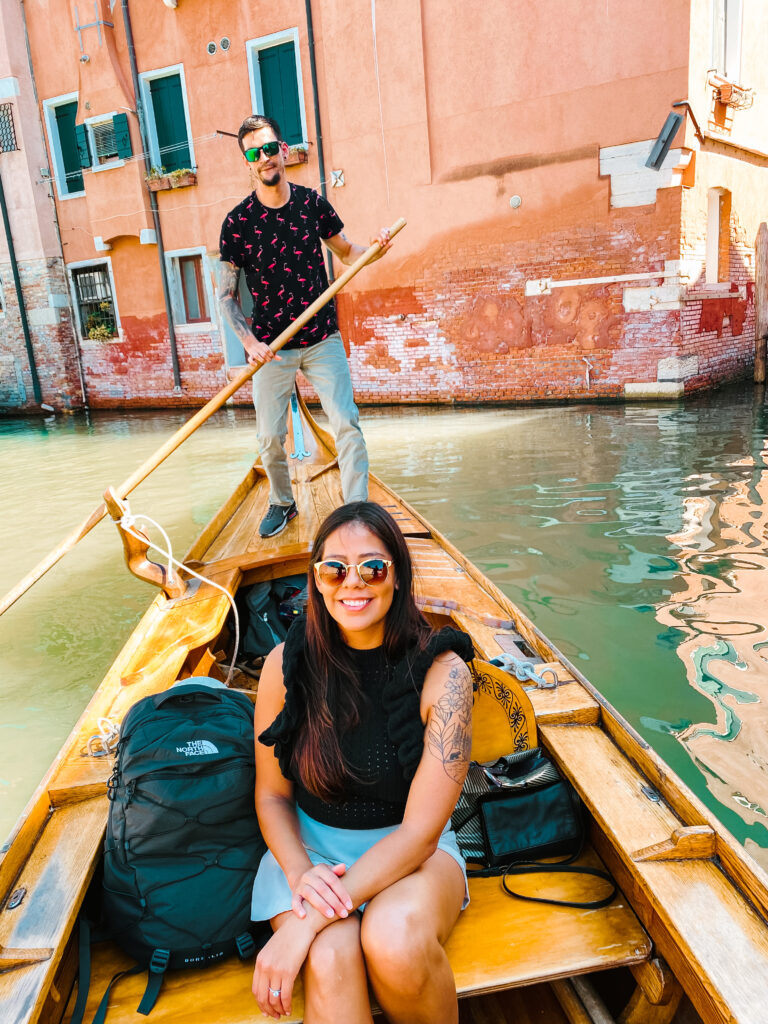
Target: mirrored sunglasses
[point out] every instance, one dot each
(268, 149)
(372, 571)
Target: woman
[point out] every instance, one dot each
(369, 715)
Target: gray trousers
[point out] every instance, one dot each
(326, 368)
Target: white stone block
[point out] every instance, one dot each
(653, 389)
(658, 297)
(100, 245)
(8, 87)
(148, 236)
(677, 369)
(44, 316)
(59, 300)
(634, 184)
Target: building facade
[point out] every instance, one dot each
(38, 344)
(571, 234)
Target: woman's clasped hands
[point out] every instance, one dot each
(280, 960)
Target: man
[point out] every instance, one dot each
(274, 236)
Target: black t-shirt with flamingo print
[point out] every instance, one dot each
(280, 252)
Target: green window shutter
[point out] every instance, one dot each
(170, 122)
(122, 136)
(83, 151)
(280, 89)
(65, 126)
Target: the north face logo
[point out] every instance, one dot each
(195, 748)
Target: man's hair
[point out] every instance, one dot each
(253, 123)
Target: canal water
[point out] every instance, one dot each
(634, 536)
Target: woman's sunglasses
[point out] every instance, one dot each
(372, 571)
(268, 149)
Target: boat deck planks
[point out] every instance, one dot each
(498, 943)
(55, 877)
(710, 929)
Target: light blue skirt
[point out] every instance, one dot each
(329, 845)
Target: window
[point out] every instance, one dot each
(717, 266)
(170, 137)
(103, 141)
(94, 301)
(190, 288)
(726, 38)
(60, 114)
(274, 69)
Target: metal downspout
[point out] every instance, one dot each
(20, 297)
(318, 126)
(152, 197)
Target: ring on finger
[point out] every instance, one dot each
(275, 993)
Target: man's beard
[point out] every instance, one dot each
(272, 181)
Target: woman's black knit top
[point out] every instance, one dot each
(384, 749)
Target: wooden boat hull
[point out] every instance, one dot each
(692, 917)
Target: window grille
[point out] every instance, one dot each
(95, 303)
(104, 143)
(7, 131)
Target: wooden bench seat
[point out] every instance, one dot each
(498, 943)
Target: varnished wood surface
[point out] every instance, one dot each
(498, 943)
(710, 932)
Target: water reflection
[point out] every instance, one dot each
(632, 536)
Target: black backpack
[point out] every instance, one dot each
(183, 841)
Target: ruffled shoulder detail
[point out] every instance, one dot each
(401, 698)
(282, 731)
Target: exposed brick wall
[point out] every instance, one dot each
(137, 369)
(464, 329)
(43, 284)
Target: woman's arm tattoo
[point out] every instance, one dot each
(450, 724)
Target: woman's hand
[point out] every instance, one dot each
(321, 887)
(277, 965)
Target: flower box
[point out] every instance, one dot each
(158, 184)
(295, 156)
(183, 180)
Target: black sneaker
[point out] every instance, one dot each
(276, 519)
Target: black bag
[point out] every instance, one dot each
(515, 810)
(183, 842)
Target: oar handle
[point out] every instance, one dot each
(173, 442)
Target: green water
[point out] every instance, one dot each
(633, 536)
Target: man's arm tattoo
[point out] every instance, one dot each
(450, 724)
(229, 303)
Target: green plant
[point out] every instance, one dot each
(155, 174)
(100, 324)
(180, 173)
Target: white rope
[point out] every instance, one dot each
(128, 520)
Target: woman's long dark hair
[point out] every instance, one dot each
(331, 690)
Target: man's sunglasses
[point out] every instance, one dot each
(268, 149)
(372, 571)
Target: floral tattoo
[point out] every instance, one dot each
(450, 725)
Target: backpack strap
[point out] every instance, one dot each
(158, 964)
(534, 868)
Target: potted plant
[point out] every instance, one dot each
(157, 179)
(182, 177)
(100, 324)
(296, 155)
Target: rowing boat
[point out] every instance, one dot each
(684, 942)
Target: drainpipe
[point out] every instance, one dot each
(152, 197)
(20, 297)
(318, 126)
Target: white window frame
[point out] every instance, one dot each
(712, 261)
(177, 295)
(89, 124)
(104, 261)
(728, 62)
(252, 47)
(2, 298)
(146, 97)
(54, 146)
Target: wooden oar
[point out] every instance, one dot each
(189, 427)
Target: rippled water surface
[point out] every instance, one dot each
(634, 536)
